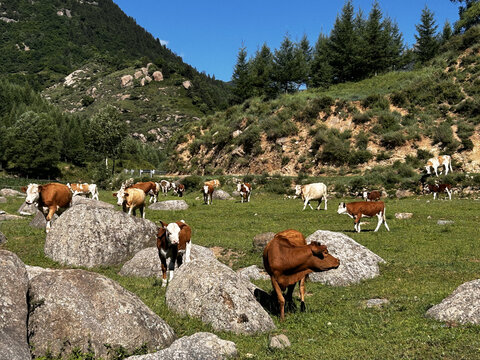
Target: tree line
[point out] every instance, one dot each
(358, 47)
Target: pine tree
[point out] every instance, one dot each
(289, 66)
(394, 46)
(307, 53)
(242, 88)
(320, 70)
(469, 14)
(446, 32)
(261, 73)
(375, 42)
(427, 44)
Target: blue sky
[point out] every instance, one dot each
(208, 34)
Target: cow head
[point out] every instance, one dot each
(120, 195)
(298, 190)
(33, 193)
(239, 187)
(342, 208)
(173, 233)
(321, 252)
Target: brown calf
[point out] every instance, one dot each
(179, 190)
(440, 188)
(359, 209)
(173, 240)
(245, 190)
(288, 259)
(53, 195)
(215, 183)
(207, 191)
(373, 195)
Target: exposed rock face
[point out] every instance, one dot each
(187, 84)
(357, 263)
(219, 194)
(126, 80)
(146, 262)
(13, 308)
(75, 307)
(89, 236)
(11, 192)
(157, 76)
(5, 216)
(199, 346)
(219, 297)
(462, 306)
(169, 205)
(261, 240)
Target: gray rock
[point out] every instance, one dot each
(376, 303)
(445, 222)
(253, 273)
(3, 238)
(77, 308)
(279, 342)
(3, 200)
(260, 240)
(462, 306)
(13, 308)
(146, 262)
(403, 216)
(219, 297)
(27, 210)
(5, 216)
(39, 221)
(199, 346)
(357, 263)
(81, 200)
(11, 192)
(169, 205)
(219, 194)
(89, 236)
(400, 194)
(33, 271)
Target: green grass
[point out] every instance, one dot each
(425, 262)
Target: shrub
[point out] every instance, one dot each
(361, 118)
(399, 99)
(393, 139)
(361, 140)
(383, 155)
(192, 182)
(335, 151)
(389, 121)
(359, 157)
(443, 134)
(278, 185)
(250, 138)
(376, 102)
(424, 155)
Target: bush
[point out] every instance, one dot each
(192, 182)
(399, 99)
(359, 157)
(393, 139)
(376, 102)
(278, 185)
(389, 121)
(335, 151)
(443, 134)
(424, 155)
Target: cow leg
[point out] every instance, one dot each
(188, 249)
(434, 196)
(289, 303)
(380, 220)
(248, 199)
(130, 211)
(142, 211)
(302, 295)
(435, 168)
(325, 198)
(319, 203)
(449, 192)
(163, 260)
(281, 299)
(357, 222)
(51, 212)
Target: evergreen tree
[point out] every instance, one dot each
(427, 44)
(33, 145)
(289, 66)
(375, 42)
(242, 88)
(469, 14)
(343, 46)
(307, 53)
(320, 70)
(261, 73)
(394, 46)
(446, 32)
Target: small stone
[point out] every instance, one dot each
(279, 342)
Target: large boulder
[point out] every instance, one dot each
(81, 309)
(81, 200)
(11, 192)
(218, 297)
(462, 306)
(199, 346)
(13, 308)
(146, 262)
(357, 263)
(253, 272)
(86, 235)
(169, 205)
(39, 221)
(27, 209)
(219, 194)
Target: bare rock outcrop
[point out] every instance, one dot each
(146, 262)
(86, 235)
(126, 80)
(462, 306)
(82, 200)
(169, 205)
(13, 308)
(219, 297)
(199, 346)
(157, 76)
(357, 263)
(78, 309)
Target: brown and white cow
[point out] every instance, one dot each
(245, 190)
(179, 190)
(173, 241)
(207, 191)
(148, 187)
(436, 162)
(315, 191)
(53, 196)
(373, 195)
(439, 188)
(84, 189)
(288, 259)
(131, 199)
(165, 186)
(215, 183)
(357, 210)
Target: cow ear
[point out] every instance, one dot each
(24, 189)
(40, 188)
(114, 194)
(164, 225)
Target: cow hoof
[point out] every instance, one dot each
(303, 307)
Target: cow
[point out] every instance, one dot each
(84, 189)
(207, 191)
(373, 195)
(245, 190)
(439, 188)
(179, 190)
(53, 196)
(436, 162)
(131, 199)
(173, 241)
(357, 210)
(315, 191)
(148, 187)
(288, 259)
(165, 185)
(215, 183)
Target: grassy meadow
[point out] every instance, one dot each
(425, 262)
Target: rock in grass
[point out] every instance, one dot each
(13, 308)
(279, 342)
(445, 222)
(357, 263)
(169, 205)
(462, 306)
(199, 346)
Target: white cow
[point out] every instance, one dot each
(436, 162)
(315, 191)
